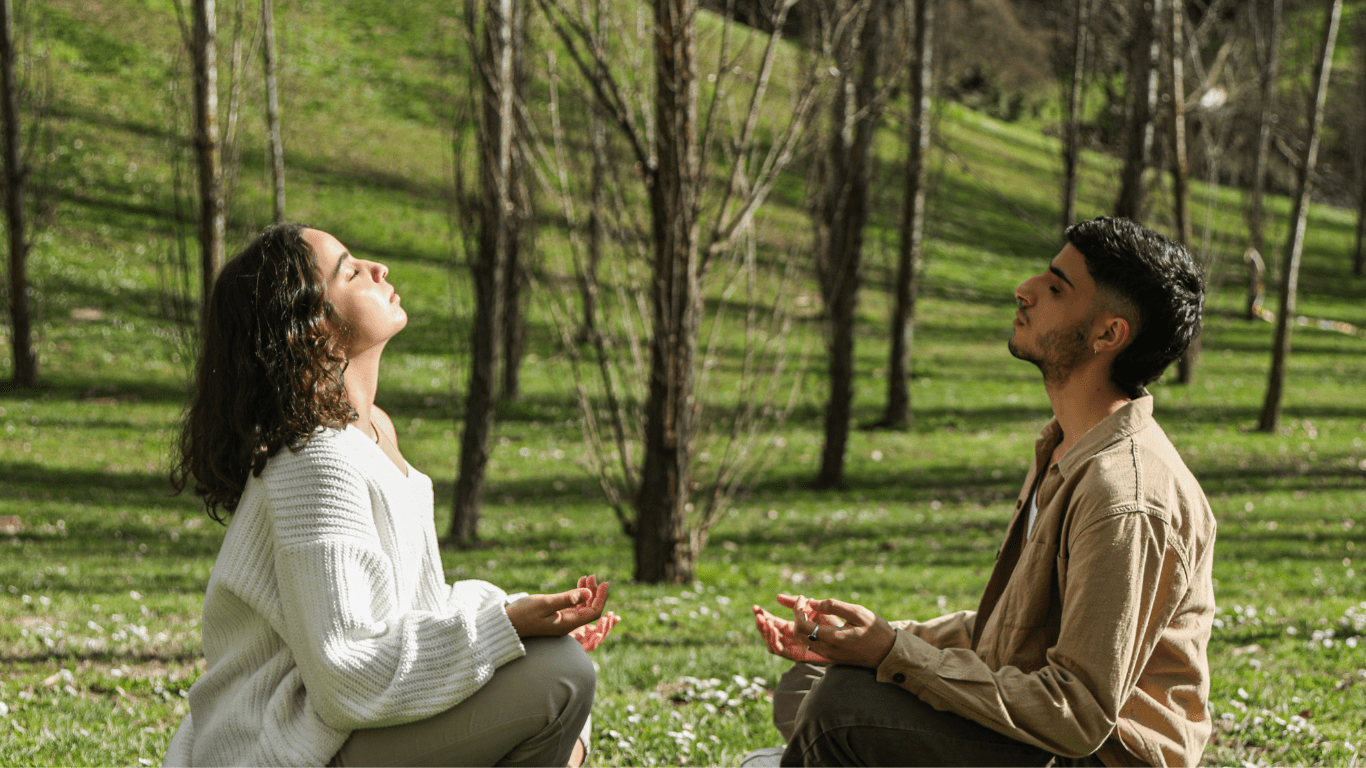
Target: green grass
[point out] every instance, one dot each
(100, 591)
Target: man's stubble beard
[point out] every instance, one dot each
(1059, 353)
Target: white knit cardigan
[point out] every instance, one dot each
(327, 611)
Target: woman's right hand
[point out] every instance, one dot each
(561, 613)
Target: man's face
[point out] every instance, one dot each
(1056, 313)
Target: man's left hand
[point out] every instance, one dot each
(864, 641)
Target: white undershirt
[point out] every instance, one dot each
(1033, 509)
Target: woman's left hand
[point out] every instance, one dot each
(562, 614)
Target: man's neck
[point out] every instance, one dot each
(1083, 401)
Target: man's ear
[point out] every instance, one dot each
(1114, 334)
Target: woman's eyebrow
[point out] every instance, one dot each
(342, 260)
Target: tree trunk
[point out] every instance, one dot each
(664, 552)
(497, 135)
(1359, 255)
(1141, 102)
(846, 213)
(1176, 140)
(212, 216)
(25, 354)
(597, 230)
(1290, 267)
(515, 277)
(898, 413)
(1270, 70)
(277, 147)
(1071, 145)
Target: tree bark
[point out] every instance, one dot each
(497, 127)
(25, 354)
(910, 256)
(277, 147)
(1071, 145)
(1270, 71)
(1359, 255)
(845, 214)
(1176, 140)
(1290, 266)
(664, 552)
(212, 215)
(1141, 102)
(515, 278)
(597, 229)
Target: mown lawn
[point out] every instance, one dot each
(103, 574)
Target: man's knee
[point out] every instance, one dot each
(838, 695)
(791, 690)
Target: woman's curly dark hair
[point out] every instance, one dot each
(1159, 278)
(269, 373)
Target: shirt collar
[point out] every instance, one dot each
(1130, 418)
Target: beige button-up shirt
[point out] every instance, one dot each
(1093, 630)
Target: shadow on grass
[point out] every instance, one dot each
(136, 656)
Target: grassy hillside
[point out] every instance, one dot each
(102, 583)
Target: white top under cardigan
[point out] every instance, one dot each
(328, 611)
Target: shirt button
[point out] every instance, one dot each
(899, 678)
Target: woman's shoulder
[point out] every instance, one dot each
(327, 452)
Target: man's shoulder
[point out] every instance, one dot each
(1143, 472)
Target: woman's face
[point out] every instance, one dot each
(366, 304)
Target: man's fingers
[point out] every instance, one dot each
(847, 611)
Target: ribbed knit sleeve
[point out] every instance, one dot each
(366, 658)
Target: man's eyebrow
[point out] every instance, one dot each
(1060, 274)
(344, 254)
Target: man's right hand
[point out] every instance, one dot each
(780, 634)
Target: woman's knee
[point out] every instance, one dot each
(562, 665)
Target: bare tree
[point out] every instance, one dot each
(519, 244)
(1290, 266)
(842, 212)
(1270, 70)
(1173, 56)
(212, 213)
(495, 32)
(1359, 254)
(597, 206)
(1076, 93)
(1141, 91)
(911, 254)
(277, 147)
(25, 353)
(670, 144)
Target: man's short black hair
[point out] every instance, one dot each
(1159, 278)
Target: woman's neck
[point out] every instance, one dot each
(362, 383)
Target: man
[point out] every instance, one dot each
(1089, 644)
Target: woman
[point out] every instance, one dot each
(330, 633)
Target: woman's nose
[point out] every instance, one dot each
(380, 271)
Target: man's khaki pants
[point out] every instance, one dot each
(837, 715)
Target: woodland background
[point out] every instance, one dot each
(706, 343)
